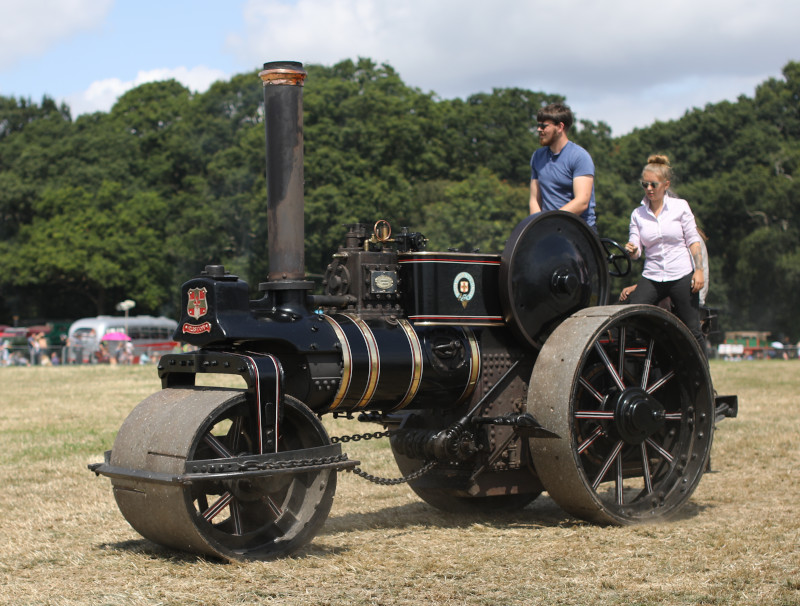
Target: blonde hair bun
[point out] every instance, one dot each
(658, 159)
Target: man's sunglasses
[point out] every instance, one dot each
(652, 184)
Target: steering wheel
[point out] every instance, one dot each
(620, 262)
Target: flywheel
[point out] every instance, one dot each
(553, 265)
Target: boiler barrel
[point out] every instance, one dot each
(394, 366)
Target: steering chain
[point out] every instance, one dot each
(429, 465)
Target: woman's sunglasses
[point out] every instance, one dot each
(652, 184)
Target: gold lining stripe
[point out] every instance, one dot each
(347, 363)
(374, 360)
(475, 366)
(416, 363)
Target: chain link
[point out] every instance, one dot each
(394, 481)
(252, 465)
(360, 436)
(293, 464)
(376, 479)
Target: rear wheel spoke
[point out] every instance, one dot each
(664, 453)
(609, 366)
(590, 440)
(622, 352)
(648, 480)
(596, 415)
(590, 388)
(647, 363)
(607, 464)
(661, 382)
(619, 483)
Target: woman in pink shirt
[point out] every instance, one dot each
(663, 227)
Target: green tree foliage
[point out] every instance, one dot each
(130, 203)
(496, 131)
(92, 244)
(449, 219)
(27, 133)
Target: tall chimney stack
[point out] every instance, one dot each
(283, 118)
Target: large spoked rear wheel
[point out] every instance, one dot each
(628, 392)
(258, 518)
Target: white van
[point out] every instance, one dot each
(147, 335)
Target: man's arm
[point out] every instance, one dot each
(535, 203)
(582, 192)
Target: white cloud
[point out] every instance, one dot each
(625, 110)
(616, 61)
(101, 95)
(32, 27)
(615, 50)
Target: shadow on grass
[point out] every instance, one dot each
(148, 549)
(541, 513)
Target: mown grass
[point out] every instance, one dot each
(64, 541)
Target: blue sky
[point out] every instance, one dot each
(620, 61)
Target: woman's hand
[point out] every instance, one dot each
(623, 296)
(632, 250)
(698, 280)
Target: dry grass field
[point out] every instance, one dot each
(63, 541)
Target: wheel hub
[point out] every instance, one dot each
(638, 415)
(564, 281)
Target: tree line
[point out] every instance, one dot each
(128, 204)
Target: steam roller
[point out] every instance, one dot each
(494, 376)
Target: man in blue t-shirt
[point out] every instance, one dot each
(562, 172)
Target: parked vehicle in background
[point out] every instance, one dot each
(130, 339)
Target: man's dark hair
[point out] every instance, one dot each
(557, 113)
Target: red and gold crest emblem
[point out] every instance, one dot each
(197, 306)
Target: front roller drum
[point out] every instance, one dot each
(627, 390)
(247, 518)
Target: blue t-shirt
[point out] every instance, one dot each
(555, 173)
